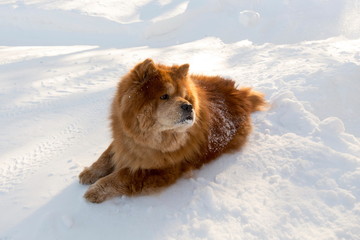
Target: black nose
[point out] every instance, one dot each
(186, 107)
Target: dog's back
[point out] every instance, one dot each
(229, 110)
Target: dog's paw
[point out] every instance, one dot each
(95, 194)
(88, 177)
(105, 189)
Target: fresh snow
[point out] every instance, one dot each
(297, 178)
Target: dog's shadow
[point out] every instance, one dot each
(68, 215)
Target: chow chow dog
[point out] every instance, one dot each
(166, 122)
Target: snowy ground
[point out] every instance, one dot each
(297, 178)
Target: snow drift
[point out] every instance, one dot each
(297, 178)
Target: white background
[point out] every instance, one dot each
(297, 178)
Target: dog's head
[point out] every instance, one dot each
(159, 98)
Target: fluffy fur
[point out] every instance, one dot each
(166, 122)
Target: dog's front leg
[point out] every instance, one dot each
(126, 182)
(107, 187)
(102, 167)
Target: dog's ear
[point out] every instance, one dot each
(182, 71)
(145, 69)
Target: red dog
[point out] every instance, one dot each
(166, 122)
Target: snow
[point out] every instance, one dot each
(297, 178)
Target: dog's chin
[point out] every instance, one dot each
(184, 124)
(181, 125)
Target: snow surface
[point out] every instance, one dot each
(297, 178)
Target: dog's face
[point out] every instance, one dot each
(159, 98)
(174, 112)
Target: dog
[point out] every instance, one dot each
(166, 122)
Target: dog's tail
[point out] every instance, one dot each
(256, 100)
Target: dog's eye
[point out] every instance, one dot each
(165, 97)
